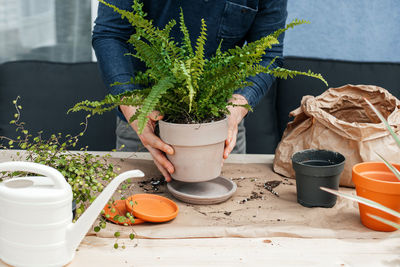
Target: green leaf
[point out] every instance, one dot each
(186, 44)
(188, 81)
(285, 73)
(391, 167)
(152, 100)
(364, 201)
(292, 24)
(395, 225)
(380, 116)
(131, 236)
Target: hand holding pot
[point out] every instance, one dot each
(152, 142)
(234, 118)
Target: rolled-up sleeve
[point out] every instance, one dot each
(270, 17)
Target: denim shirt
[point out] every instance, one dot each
(234, 22)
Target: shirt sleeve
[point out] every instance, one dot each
(270, 17)
(109, 40)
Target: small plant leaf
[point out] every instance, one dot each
(380, 116)
(362, 200)
(391, 167)
(395, 225)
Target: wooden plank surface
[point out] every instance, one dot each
(239, 252)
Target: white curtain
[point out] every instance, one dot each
(52, 30)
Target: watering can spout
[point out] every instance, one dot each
(77, 231)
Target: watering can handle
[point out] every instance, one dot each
(53, 174)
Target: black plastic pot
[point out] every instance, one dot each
(316, 168)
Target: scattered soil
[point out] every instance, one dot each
(187, 120)
(287, 182)
(271, 185)
(154, 185)
(254, 195)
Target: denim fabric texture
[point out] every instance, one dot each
(234, 22)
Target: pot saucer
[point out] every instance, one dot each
(151, 207)
(211, 192)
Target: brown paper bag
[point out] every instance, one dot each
(340, 120)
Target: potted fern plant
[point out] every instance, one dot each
(188, 89)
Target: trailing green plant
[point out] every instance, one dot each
(180, 81)
(86, 173)
(124, 219)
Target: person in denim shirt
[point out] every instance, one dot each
(234, 22)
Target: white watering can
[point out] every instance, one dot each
(36, 226)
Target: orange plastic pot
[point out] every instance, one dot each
(376, 182)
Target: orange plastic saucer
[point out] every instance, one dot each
(152, 208)
(120, 209)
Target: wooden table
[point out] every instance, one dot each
(271, 251)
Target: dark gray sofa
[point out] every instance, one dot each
(48, 90)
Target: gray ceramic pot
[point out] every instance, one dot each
(198, 149)
(316, 168)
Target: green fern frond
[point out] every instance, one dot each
(144, 78)
(290, 25)
(283, 73)
(186, 43)
(238, 58)
(152, 100)
(218, 52)
(188, 81)
(149, 55)
(124, 13)
(131, 81)
(138, 8)
(272, 62)
(167, 29)
(109, 102)
(145, 28)
(246, 106)
(198, 60)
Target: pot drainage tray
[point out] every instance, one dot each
(211, 192)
